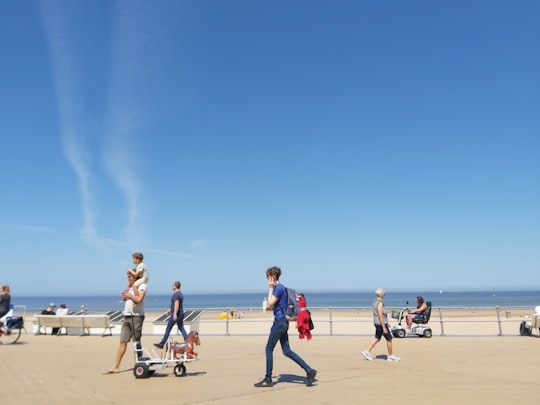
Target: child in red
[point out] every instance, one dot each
(304, 318)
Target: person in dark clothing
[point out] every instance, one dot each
(177, 315)
(51, 310)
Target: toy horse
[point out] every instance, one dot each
(186, 349)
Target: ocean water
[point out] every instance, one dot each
(160, 302)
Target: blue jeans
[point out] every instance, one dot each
(279, 332)
(180, 323)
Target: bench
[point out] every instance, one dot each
(191, 321)
(81, 322)
(530, 323)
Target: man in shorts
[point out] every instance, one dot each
(133, 319)
(380, 320)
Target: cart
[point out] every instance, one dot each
(147, 360)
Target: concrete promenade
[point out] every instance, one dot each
(443, 370)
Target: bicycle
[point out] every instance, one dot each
(10, 332)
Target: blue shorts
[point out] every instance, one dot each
(418, 317)
(379, 332)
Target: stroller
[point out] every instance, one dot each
(420, 329)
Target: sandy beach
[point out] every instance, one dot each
(443, 369)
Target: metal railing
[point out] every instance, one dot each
(358, 321)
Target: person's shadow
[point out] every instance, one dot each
(291, 378)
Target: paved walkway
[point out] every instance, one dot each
(442, 370)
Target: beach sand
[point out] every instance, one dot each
(443, 370)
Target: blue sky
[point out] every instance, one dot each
(355, 144)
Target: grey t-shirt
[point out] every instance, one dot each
(376, 320)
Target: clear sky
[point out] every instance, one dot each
(356, 144)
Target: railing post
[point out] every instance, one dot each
(330, 321)
(227, 322)
(499, 319)
(441, 320)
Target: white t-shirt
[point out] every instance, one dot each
(130, 308)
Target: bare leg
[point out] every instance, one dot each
(119, 355)
(373, 343)
(389, 347)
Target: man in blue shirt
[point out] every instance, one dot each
(277, 301)
(177, 315)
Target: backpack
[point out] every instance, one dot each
(311, 326)
(291, 312)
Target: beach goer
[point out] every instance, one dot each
(177, 314)
(51, 310)
(277, 301)
(133, 320)
(140, 271)
(416, 314)
(63, 310)
(83, 310)
(5, 301)
(380, 321)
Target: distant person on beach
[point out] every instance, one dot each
(133, 319)
(140, 271)
(277, 301)
(5, 301)
(51, 310)
(416, 314)
(177, 314)
(83, 310)
(380, 320)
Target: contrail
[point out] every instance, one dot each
(58, 17)
(135, 57)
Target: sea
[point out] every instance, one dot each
(253, 301)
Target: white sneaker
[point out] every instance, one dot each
(367, 355)
(393, 358)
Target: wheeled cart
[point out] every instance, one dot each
(147, 360)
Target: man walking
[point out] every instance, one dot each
(277, 301)
(177, 315)
(133, 320)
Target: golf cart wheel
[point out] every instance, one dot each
(179, 370)
(141, 370)
(400, 333)
(427, 333)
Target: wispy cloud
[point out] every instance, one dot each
(58, 17)
(135, 58)
(134, 55)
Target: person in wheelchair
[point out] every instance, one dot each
(416, 314)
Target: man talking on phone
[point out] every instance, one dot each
(277, 301)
